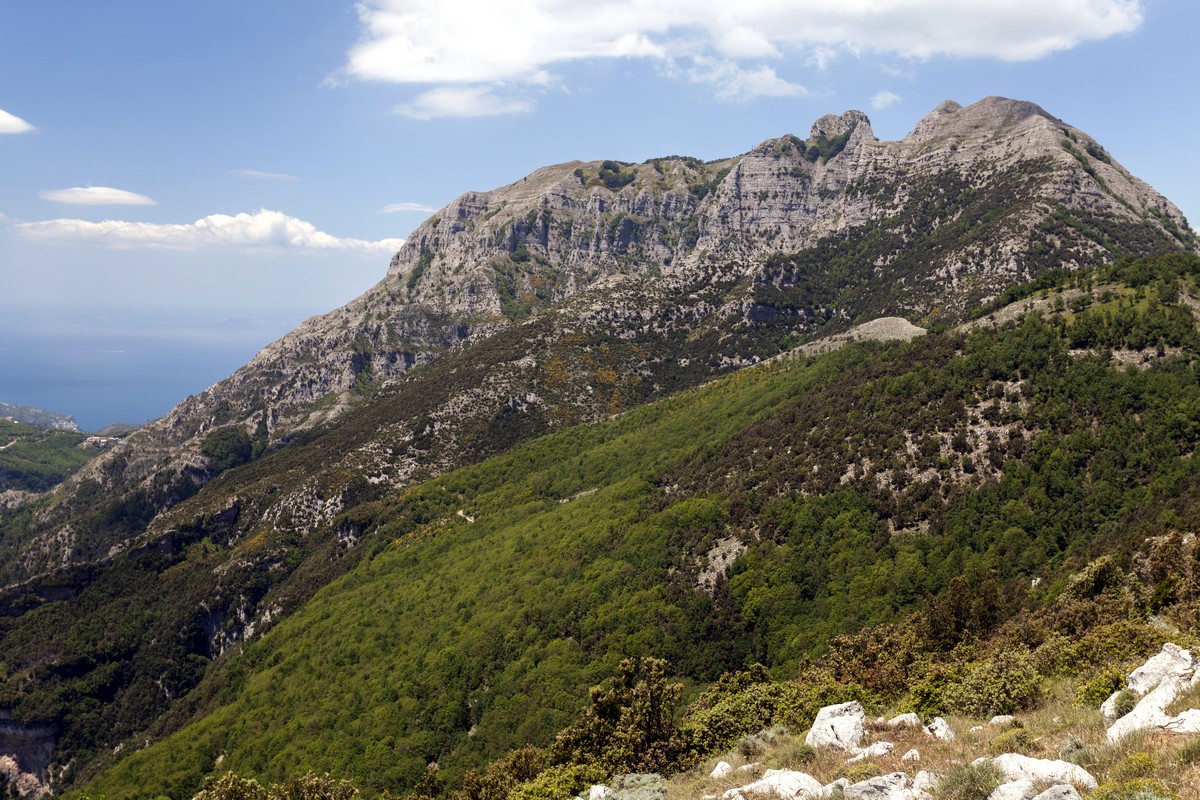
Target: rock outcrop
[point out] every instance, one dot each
(840, 726)
(1159, 682)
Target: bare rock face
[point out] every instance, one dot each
(839, 726)
(1017, 767)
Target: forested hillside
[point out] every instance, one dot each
(963, 477)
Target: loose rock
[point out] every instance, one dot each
(839, 726)
(939, 729)
(785, 783)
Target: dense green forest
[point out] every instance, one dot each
(34, 459)
(914, 524)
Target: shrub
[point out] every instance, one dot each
(1125, 702)
(502, 776)
(1013, 740)
(1134, 765)
(560, 783)
(630, 726)
(968, 782)
(1094, 691)
(311, 786)
(1137, 789)
(1189, 754)
(749, 748)
(227, 447)
(861, 771)
(1006, 683)
(230, 787)
(1072, 749)
(793, 753)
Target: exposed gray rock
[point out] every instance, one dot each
(939, 729)
(874, 750)
(1063, 791)
(1014, 767)
(783, 783)
(908, 720)
(896, 786)
(722, 769)
(911, 755)
(638, 786)
(1021, 789)
(1171, 662)
(839, 726)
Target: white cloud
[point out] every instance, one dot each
(473, 44)
(881, 100)
(733, 83)
(96, 196)
(266, 176)
(263, 229)
(10, 123)
(396, 208)
(463, 101)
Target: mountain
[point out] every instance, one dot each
(577, 294)
(37, 417)
(729, 262)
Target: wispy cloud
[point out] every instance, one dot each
(263, 229)
(470, 50)
(463, 101)
(11, 123)
(398, 208)
(282, 177)
(881, 100)
(96, 196)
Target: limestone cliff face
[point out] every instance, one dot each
(990, 194)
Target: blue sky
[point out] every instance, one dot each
(265, 154)
(236, 165)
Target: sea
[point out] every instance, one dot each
(129, 365)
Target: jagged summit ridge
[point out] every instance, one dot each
(991, 193)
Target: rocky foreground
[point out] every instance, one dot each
(843, 733)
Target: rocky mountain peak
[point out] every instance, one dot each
(990, 117)
(832, 125)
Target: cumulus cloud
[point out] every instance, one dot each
(732, 83)
(480, 43)
(396, 208)
(263, 229)
(96, 196)
(463, 101)
(10, 123)
(881, 100)
(266, 176)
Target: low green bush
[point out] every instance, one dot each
(560, 783)
(1006, 683)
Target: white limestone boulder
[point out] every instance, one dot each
(1171, 663)
(1023, 789)
(721, 770)
(896, 786)
(1063, 791)
(786, 784)
(1015, 767)
(939, 729)
(911, 755)
(1150, 712)
(840, 726)
(872, 751)
(909, 720)
(600, 792)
